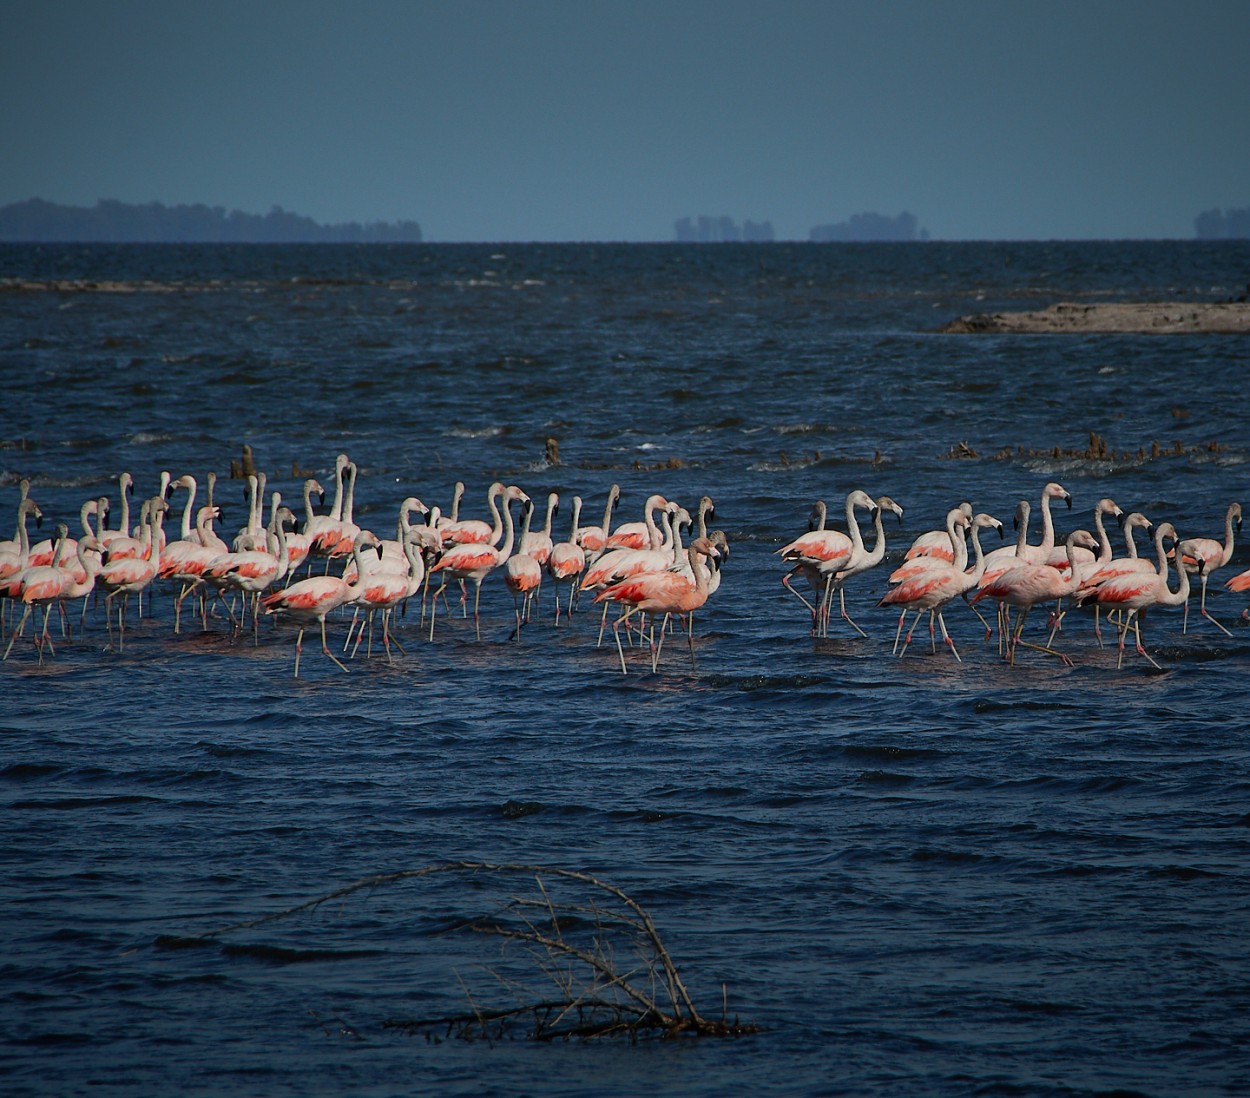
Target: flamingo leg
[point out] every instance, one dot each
(919, 615)
(389, 637)
(989, 632)
(325, 646)
(845, 616)
(18, 631)
(785, 582)
(616, 632)
(947, 638)
(1203, 608)
(1140, 647)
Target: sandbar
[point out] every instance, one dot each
(1147, 317)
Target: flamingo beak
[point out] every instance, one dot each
(1067, 496)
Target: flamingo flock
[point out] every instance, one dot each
(1082, 571)
(257, 573)
(305, 570)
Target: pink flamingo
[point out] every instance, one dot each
(860, 560)
(125, 486)
(1008, 557)
(251, 572)
(936, 543)
(385, 588)
(132, 575)
(594, 539)
(476, 531)
(13, 544)
(664, 593)
(639, 535)
(312, 599)
(1212, 554)
(1028, 584)
(522, 572)
(185, 560)
(821, 554)
(41, 553)
(324, 532)
(567, 562)
(933, 587)
(42, 585)
(1058, 557)
(476, 560)
(538, 543)
(1139, 591)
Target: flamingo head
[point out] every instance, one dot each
(984, 521)
(1057, 491)
(885, 503)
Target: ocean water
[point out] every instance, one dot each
(917, 876)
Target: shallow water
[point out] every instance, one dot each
(919, 876)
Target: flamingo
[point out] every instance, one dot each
(132, 575)
(933, 587)
(1139, 591)
(393, 553)
(42, 585)
(42, 552)
(385, 588)
(1058, 557)
(81, 582)
(13, 544)
(325, 531)
(476, 531)
(1213, 554)
(861, 559)
(707, 510)
(125, 486)
(475, 560)
(538, 543)
(312, 599)
(617, 563)
(12, 565)
(185, 560)
(999, 559)
(522, 573)
(936, 543)
(251, 572)
(664, 593)
(348, 528)
(594, 539)
(1117, 566)
(252, 537)
(821, 554)
(639, 535)
(567, 562)
(1028, 584)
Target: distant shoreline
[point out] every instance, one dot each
(1145, 317)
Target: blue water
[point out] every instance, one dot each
(920, 877)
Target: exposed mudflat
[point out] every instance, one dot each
(1156, 317)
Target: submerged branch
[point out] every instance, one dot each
(572, 946)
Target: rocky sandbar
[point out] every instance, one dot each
(1151, 317)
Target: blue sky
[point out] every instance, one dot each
(560, 120)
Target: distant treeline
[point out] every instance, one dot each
(112, 222)
(1223, 225)
(870, 227)
(721, 230)
(861, 227)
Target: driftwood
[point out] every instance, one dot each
(579, 958)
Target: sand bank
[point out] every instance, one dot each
(1155, 318)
